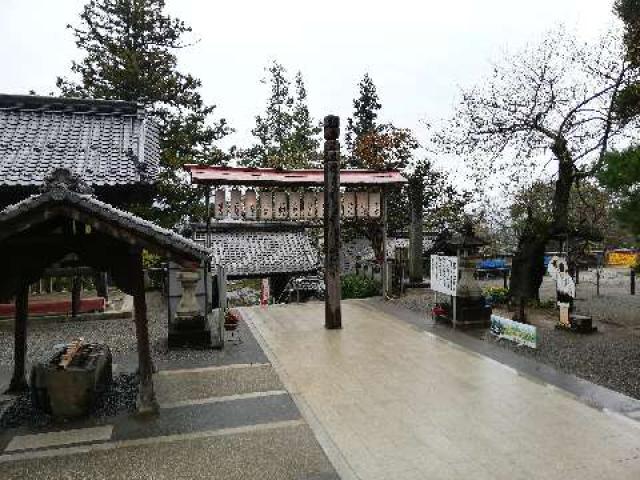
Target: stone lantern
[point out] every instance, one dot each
(470, 307)
(188, 306)
(190, 326)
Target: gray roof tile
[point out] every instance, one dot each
(104, 142)
(255, 253)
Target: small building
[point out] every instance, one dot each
(276, 250)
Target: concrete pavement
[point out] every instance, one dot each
(388, 401)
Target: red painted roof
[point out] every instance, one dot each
(214, 175)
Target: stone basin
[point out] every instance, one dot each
(69, 392)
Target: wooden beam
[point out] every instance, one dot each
(147, 403)
(333, 296)
(19, 380)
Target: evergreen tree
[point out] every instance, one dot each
(130, 55)
(304, 142)
(286, 135)
(363, 122)
(621, 172)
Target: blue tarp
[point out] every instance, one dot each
(492, 264)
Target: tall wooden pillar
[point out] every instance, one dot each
(146, 397)
(332, 311)
(385, 262)
(416, 197)
(19, 380)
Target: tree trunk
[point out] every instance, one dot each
(528, 262)
(562, 193)
(528, 266)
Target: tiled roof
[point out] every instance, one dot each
(255, 253)
(104, 142)
(150, 232)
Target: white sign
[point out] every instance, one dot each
(362, 204)
(444, 274)
(220, 207)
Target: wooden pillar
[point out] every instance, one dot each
(146, 397)
(207, 244)
(19, 380)
(76, 284)
(102, 288)
(416, 197)
(333, 296)
(385, 263)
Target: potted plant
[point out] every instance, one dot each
(231, 320)
(440, 311)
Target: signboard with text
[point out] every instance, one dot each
(444, 274)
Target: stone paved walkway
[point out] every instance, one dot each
(389, 401)
(226, 420)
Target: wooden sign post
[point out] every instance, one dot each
(332, 311)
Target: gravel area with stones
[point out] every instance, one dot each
(119, 334)
(118, 398)
(610, 357)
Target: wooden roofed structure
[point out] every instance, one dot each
(325, 204)
(66, 223)
(274, 177)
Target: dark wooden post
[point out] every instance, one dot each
(416, 186)
(207, 244)
(76, 291)
(332, 311)
(505, 276)
(633, 281)
(598, 282)
(100, 281)
(385, 263)
(19, 380)
(146, 397)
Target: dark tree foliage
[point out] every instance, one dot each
(621, 173)
(365, 113)
(286, 133)
(552, 106)
(621, 176)
(129, 50)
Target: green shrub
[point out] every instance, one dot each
(357, 286)
(496, 295)
(150, 260)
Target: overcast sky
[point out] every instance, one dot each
(419, 53)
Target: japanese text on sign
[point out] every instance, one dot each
(444, 274)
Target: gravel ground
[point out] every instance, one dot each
(119, 334)
(610, 357)
(118, 398)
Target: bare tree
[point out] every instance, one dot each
(548, 110)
